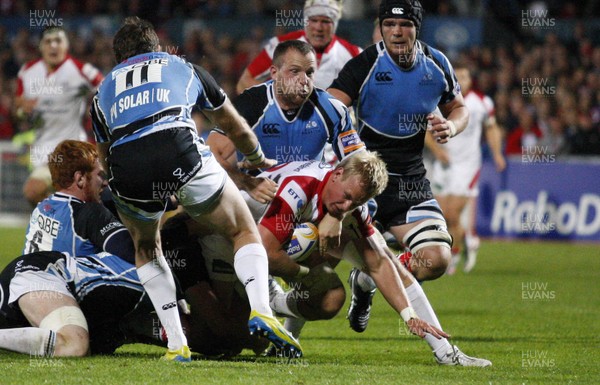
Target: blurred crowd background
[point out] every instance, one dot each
(539, 61)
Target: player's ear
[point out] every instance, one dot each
(338, 173)
(79, 179)
(273, 71)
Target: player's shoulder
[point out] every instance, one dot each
(478, 97)
(76, 62)
(323, 98)
(366, 58)
(31, 66)
(256, 91)
(354, 50)
(432, 52)
(253, 100)
(294, 35)
(85, 212)
(312, 169)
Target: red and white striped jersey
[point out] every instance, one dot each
(329, 62)
(299, 199)
(466, 147)
(61, 101)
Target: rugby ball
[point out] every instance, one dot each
(304, 239)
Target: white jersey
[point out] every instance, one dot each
(61, 101)
(466, 147)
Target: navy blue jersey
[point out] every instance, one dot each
(392, 103)
(64, 223)
(144, 94)
(301, 135)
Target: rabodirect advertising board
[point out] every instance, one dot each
(543, 200)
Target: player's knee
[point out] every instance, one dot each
(332, 302)
(430, 262)
(72, 341)
(72, 338)
(429, 242)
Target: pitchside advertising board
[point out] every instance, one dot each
(541, 200)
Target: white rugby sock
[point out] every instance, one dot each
(365, 282)
(160, 286)
(33, 341)
(294, 325)
(285, 303)
(252, 269)
(423, 308)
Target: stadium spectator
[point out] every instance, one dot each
(321, 18)
(525, 137)
(129, 127)
(51, 93)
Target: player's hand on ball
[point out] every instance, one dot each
(330, 230)
(419, 327)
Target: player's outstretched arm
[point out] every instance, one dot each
(389, 282)
(330, 230)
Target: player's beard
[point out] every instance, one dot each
(91, 194)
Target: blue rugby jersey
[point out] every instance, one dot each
(102, 269)
(392, 103)
(144, 92)
(302, 135)
(63, 223)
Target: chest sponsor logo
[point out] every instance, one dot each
(271, 129)
(383, 77)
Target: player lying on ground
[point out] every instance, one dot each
(45, 297)
(57, 305)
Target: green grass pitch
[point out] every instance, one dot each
(532, 308)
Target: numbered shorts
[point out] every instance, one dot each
(147, 171)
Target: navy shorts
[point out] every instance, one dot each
(400, 196)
